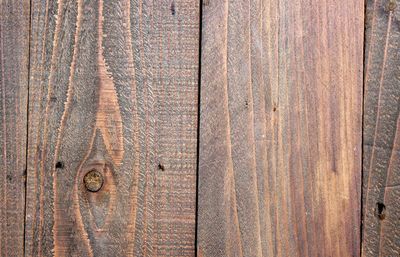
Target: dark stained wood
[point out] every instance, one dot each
(280, 128)
(381, 144)
(14, 60)
(113, 88)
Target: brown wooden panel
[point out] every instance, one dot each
(280, 128)
(114, 87)
(14, 58)
(381, 180)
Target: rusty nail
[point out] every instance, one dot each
(93, 181)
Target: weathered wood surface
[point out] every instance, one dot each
(14, 58)
(113, 88)
(280, 128)
(381, 160)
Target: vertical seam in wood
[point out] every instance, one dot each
(25, 175)
(279, 239)
(4, 132)
(362, 119)
(196, 215)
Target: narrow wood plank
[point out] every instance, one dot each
(280, 128)
(14, 58)
(114, 87)
(381, 166)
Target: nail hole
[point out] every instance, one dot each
(173, 8)
(93, 181)
(380, 210)
(9, 178)
(59, 165)
(274, 109)
(161, 167)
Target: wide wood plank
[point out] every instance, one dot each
(14, 58)
(113, 91)
(381, 144)
(280, 128)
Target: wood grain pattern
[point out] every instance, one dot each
(381, 190)
(14, 58)
(280, 128)
(113, 87)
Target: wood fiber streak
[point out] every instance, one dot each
(381, 144)
(113, 88)
(14, 59)
(280, 128)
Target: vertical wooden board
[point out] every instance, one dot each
(113, 88)
(381, 166)
(14, 56)
(280, 128)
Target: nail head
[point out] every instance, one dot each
(93, 181)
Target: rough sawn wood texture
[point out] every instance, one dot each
(381, 160)
(280, 128)
(14, 64)
(113, 88)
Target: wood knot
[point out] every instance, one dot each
(93, 181)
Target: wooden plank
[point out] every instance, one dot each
(381, 166)
(14, 56)
(114, 88)
(280, 128)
